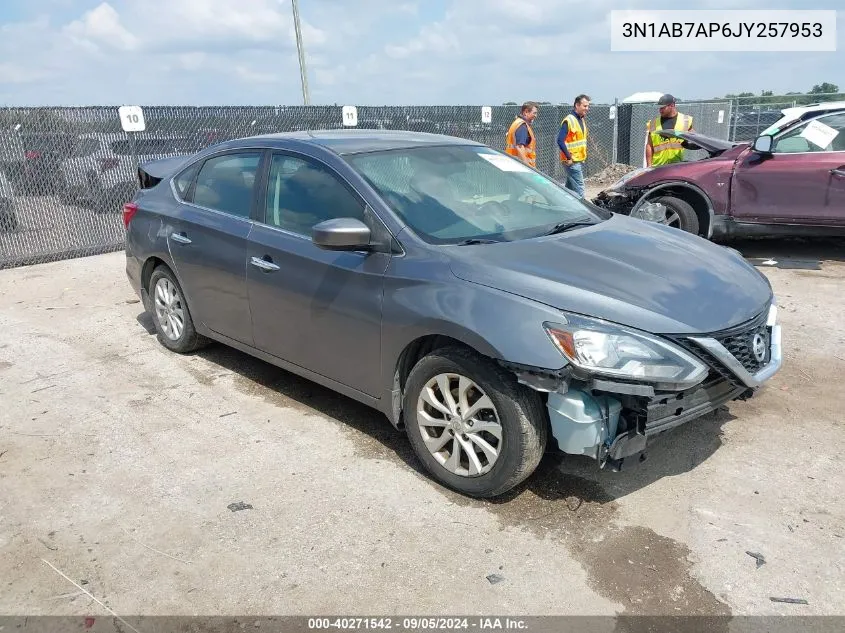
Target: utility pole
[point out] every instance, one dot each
(299, 48)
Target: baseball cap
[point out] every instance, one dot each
(665, 100)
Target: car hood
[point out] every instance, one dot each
(636, 273)
(713, 146)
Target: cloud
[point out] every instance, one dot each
(365, 52)
(11, 73)
(101, 27)
(251, 75)
(431, 41)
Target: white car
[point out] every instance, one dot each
(800, 113)
(102, 169)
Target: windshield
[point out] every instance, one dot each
(452, 194)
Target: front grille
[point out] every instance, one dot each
(739, 341)
(741, 346)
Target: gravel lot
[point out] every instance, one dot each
(119, 461)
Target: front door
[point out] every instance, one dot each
(803, 181)
(208, 242)
(314, 308)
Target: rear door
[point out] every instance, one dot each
(208, 239)
(803, 181)
(315, 308)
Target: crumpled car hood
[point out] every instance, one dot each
(713, 146)
(624, 270)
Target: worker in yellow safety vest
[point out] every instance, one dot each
(572, 143)
(660, 150)
(520, 140)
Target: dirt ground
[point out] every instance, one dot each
(122, 467)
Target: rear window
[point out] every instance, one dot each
(182, 182)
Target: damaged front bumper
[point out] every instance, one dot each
(620, 201)
(631, 202)
(610, 420)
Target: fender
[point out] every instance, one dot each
(162, 242)
(685, 185)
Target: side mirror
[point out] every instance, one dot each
(342, 234)
(763, 144)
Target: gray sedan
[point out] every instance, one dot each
(472, 300)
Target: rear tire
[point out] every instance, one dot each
(171, 315)
(510, 411)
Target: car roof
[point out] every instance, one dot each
(827, 105)
(358, 141)
(795, 114)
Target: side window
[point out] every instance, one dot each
(301, 194)
(182, 182)
(799, 140)
(226, 183)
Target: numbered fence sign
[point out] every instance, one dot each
(721, 116)
(486, 114)
(612, 113)
(350, 115)
(132, 118)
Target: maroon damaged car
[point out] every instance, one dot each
(789, 182)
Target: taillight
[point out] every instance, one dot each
(129, 211)
(108, 163)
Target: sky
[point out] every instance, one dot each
(367, 52)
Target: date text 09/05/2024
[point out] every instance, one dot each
(722, 29)
(418, 624)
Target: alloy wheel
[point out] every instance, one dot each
(459, 425)
(659, 213)
(170, 311)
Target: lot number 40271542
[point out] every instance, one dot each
(132, 118)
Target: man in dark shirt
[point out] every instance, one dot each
(572, 142)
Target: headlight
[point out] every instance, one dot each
(618, 352)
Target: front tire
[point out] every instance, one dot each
(472, 425)
(679, 214)
(171, 316)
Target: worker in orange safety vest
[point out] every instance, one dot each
(520, 140)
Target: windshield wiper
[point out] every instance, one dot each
(476, 240)
(562, 227)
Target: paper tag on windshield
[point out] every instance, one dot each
(819, 134)
(504, 163)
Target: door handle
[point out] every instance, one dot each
(263, 264)
(180, 237)
(839, 171)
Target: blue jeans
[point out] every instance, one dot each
(575, 178)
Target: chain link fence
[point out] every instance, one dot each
(66, 172)
(708, 118)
